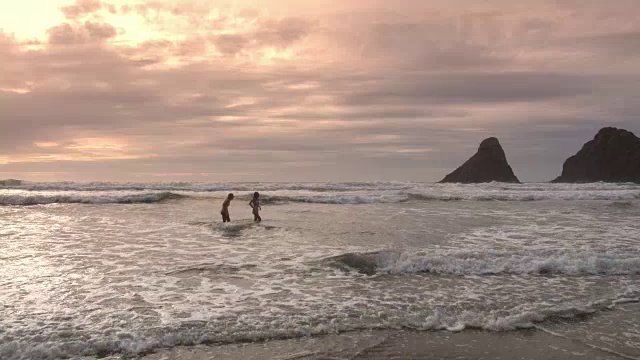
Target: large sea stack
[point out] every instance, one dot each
(612, 156)
(487, 165)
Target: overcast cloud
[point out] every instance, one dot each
(311, 91)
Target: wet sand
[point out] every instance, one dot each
(525, 345)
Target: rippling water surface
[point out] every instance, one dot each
(102, 268)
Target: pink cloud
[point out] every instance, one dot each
(79, 34)
(82, 7)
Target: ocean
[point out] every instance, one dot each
(148, 269)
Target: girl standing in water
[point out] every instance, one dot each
(255, 205)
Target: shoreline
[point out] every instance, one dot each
(533, 344)
(558, 340)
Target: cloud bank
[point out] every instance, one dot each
(317, 91)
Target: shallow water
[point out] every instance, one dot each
(102, 268)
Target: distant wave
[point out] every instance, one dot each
(25, 200)
(443, 196)
(205, 187)
(10, 182)
(528, 195)
(316, 186)
(345, 193)
(621, 201)
(392, 262)
(334, 199)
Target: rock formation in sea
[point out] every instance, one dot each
(612, 156)
(487, 165)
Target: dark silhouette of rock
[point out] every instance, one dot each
(612, 156)
(488, 164)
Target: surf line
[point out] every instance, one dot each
(595, 347)
(298, 355)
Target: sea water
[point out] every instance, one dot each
(95, 269)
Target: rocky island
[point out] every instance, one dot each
(487, 165)
(612, 156)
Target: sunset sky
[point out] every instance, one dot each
(308, 90)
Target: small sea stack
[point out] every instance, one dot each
(612, 156)
(487, 165)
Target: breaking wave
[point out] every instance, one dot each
(193, 333)
(624, 195)
(495, 263)
(10, 182)
(444, 196)
(525, 195)
(426, 191)
(26, 199)
(333, 199)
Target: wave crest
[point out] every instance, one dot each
(353, 193)
(26, 200)
(331, 199)
(392, 262)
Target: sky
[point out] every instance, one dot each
(314, 90)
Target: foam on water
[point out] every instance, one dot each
(226, 330)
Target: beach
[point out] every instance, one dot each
(526, 345)
(370, 270)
